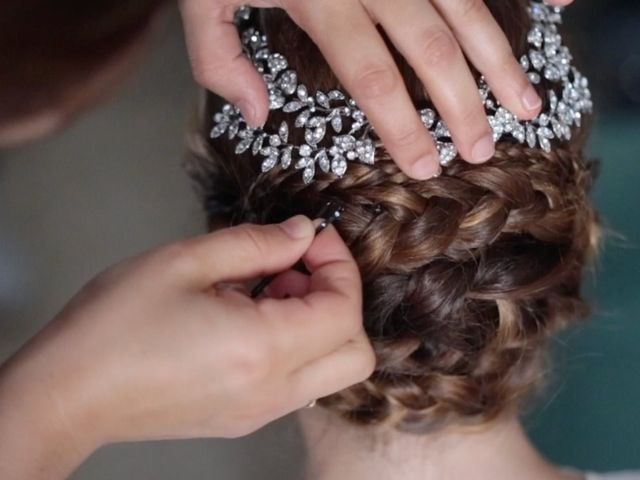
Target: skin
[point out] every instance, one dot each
(168, 346)
(499, 450)
(434, 36)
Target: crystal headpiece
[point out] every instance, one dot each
(336, 131)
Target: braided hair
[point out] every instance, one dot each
(465, 276)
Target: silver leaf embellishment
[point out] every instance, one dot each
(269, 162)
(293, 106)
(283, 131)
(243, 146)
(323, 161)
(301, 120)
(336, 123)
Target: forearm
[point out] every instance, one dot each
(34, 442)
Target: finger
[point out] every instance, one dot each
(289, 284)
(330, 314)
(368, 71)
(351, 363)
(489, 50)
(244, 252)
(218, 61)
(424, 39)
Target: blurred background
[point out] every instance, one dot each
(111, 185)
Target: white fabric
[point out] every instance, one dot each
(613, 476)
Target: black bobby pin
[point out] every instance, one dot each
(336, 214)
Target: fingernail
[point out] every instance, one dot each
(248, 112)
(426, 167)
(483, 150)
(298, 227)
(531, 100)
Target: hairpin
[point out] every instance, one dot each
(337, 132)
(334, 216)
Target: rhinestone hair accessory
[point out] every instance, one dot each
(337, 132)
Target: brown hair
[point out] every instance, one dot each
(465, 276)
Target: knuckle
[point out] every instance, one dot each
(210, 72)
(469, 8)
(254, 239)
(177, 258)
(374, 81)
(409, 138)
(298, 10)
(205, 74)
(439, 47)
(251, 361)
(471, 117)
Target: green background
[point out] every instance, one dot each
(590, 414)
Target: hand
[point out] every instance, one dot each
(161, 347)
(432, 35)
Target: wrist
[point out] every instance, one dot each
(38, 437)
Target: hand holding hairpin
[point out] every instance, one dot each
(328, 220)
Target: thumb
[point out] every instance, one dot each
(249, 251)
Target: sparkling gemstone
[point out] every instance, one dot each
(303, 93)
(545, 144)
(427, 116)
(257, 145)
(447, 153)
(277, 63)
(301, 120)
(314, 136)
(531, 136)
(366, 151)
(535, 37)
(243, 146)
(442, 130)
(288, 82)
(345, 142)
(286, 157)
(308, 174)
(274, 140)
(269, 162)
(283, 131)
(305, 150)
(519, 133)
(336, 123)
(552, 73)
(339, 165)
(537, 59)
(246, 132)
(233, 129)
(218, 130)
(322, 99)
(293, 106)
(276, 100)
(323, 161)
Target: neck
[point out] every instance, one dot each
(497, 451)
